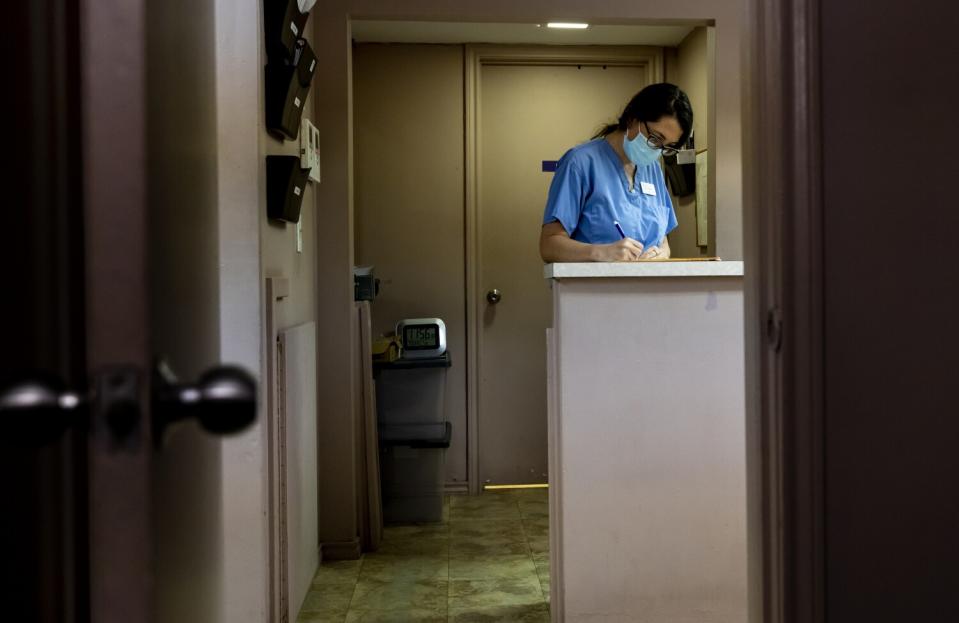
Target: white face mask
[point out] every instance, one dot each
(305, 5)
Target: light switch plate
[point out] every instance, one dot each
(310, 149)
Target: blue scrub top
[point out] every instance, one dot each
(590, 191)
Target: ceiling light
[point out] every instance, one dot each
(567, 25)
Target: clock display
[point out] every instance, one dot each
(421, 337)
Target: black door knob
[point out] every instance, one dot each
(223, 400)
(36, 409)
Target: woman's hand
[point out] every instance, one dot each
(660, 252)
(626, 250)
(652, 253)
(555, 245)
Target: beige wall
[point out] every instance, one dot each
(334, 112)
(280, 258)
(687, 66)
(409, 211)
(182, 156)
(214, 246)
(336, 317)
(250, 249)
(243, 460)
(278, 239)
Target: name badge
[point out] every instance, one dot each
(648, 189)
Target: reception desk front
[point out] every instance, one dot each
(647, 443)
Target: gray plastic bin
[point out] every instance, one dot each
(411, 392)
(414, 434)
(412, 484)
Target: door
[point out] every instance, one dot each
(528, 114)
(74, 255)
(108, 508)
(42, 526)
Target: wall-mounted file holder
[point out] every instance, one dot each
(284, 24)
(305, 64)
(287, 84)
(285, 186)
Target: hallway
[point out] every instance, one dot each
(487, 561)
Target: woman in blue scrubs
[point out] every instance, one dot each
(608, 200)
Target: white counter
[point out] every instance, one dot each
(568, 270)
(647, 446)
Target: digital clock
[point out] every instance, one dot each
(422, 337)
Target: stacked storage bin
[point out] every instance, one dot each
(414, 435)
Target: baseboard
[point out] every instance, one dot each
(341, 550)
(456, 488)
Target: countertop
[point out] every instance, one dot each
(579, 270)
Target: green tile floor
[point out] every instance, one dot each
(488, 561)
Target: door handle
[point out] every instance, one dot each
(223, 401)
(36, 409)
(494, 296)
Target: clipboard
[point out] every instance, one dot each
(686, 259)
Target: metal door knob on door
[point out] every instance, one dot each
(223, 401)
(37, 409)
(494, 296)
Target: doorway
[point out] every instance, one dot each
(530, 105)
(409, 222)
(412, 215)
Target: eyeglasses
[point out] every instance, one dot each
(658, 142)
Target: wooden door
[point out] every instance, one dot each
(43, 523)
(103, 271)
(527, 114)
(114, 199)
(76, 255)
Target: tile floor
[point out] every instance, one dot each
(488, 561)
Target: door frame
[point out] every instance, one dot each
(784, 324)
(475, 57)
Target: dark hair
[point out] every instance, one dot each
(652, 104)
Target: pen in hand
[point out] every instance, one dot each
(637, 253)
(619, 228)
